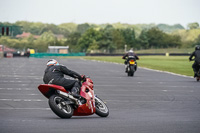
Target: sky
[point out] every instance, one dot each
(101, 11)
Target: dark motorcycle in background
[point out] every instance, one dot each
(64, 105)
(198, 73)
(131, 66)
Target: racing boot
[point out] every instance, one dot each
(75, 92)
(195, 74)
(126, 68)
(195, 71)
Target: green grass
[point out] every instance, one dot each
(175, 64)
(168, 50)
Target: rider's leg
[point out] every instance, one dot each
(194, 66)
(72, 86)
(76, 89)
(125, 63)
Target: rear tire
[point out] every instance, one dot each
(131, 71)
(101, 108)
(57, 105)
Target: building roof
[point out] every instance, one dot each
(26, 34)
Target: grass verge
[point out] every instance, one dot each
(175, 64)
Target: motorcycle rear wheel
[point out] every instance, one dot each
(101, 108)
(131, 74)
(131, 71)
(58, 106)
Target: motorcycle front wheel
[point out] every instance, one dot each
(101, 108)
(59, 107)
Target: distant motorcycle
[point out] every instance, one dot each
(65, 105)
(131, 66)
(198, 73)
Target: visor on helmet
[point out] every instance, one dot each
(52, 62)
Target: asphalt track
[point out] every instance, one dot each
(149, 102)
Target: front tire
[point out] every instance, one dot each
(59, 107)
(101, 108)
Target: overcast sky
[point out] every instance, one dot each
(101, 11)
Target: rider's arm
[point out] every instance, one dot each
(124, 57)
(193, 54)
(71, 73)
(137, 58)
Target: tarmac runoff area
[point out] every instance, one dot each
(150, 102)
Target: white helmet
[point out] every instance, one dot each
(52, 62)
(130, 51)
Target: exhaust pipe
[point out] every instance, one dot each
(68, 96)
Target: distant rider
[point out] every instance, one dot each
(54, 74)
(129, 54)
(196, 64)
(28, 53)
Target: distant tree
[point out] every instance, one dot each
(193, 25)
(129, 37)
(72, 41)
(159, 39)
(118, 38)
(71, 27)
(197, 41)
(93, 46)
(49, 38)
(155, 38)
(67, 28)
(106, 43)
(16, 29)
(171, 41)
(33, 28)
(25, 25)
(143, 40)
(50, 27)
(90, 37)
(108, 27)
(188, 37)
(41, 45)
(169, 28)
(81, 28)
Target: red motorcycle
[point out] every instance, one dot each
(64, 105)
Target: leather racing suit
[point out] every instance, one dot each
(54, 74)
(196, 64)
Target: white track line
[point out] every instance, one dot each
(17, 89)
(10, 108)
(23, 100)
(166, 72)
(146, 69)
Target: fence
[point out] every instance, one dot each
(142, 54)
(41, 55)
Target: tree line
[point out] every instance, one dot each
(107, 38)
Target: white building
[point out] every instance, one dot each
(58, 49)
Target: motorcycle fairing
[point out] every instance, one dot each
(132, 62)
(48, 89)
(89, 107)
